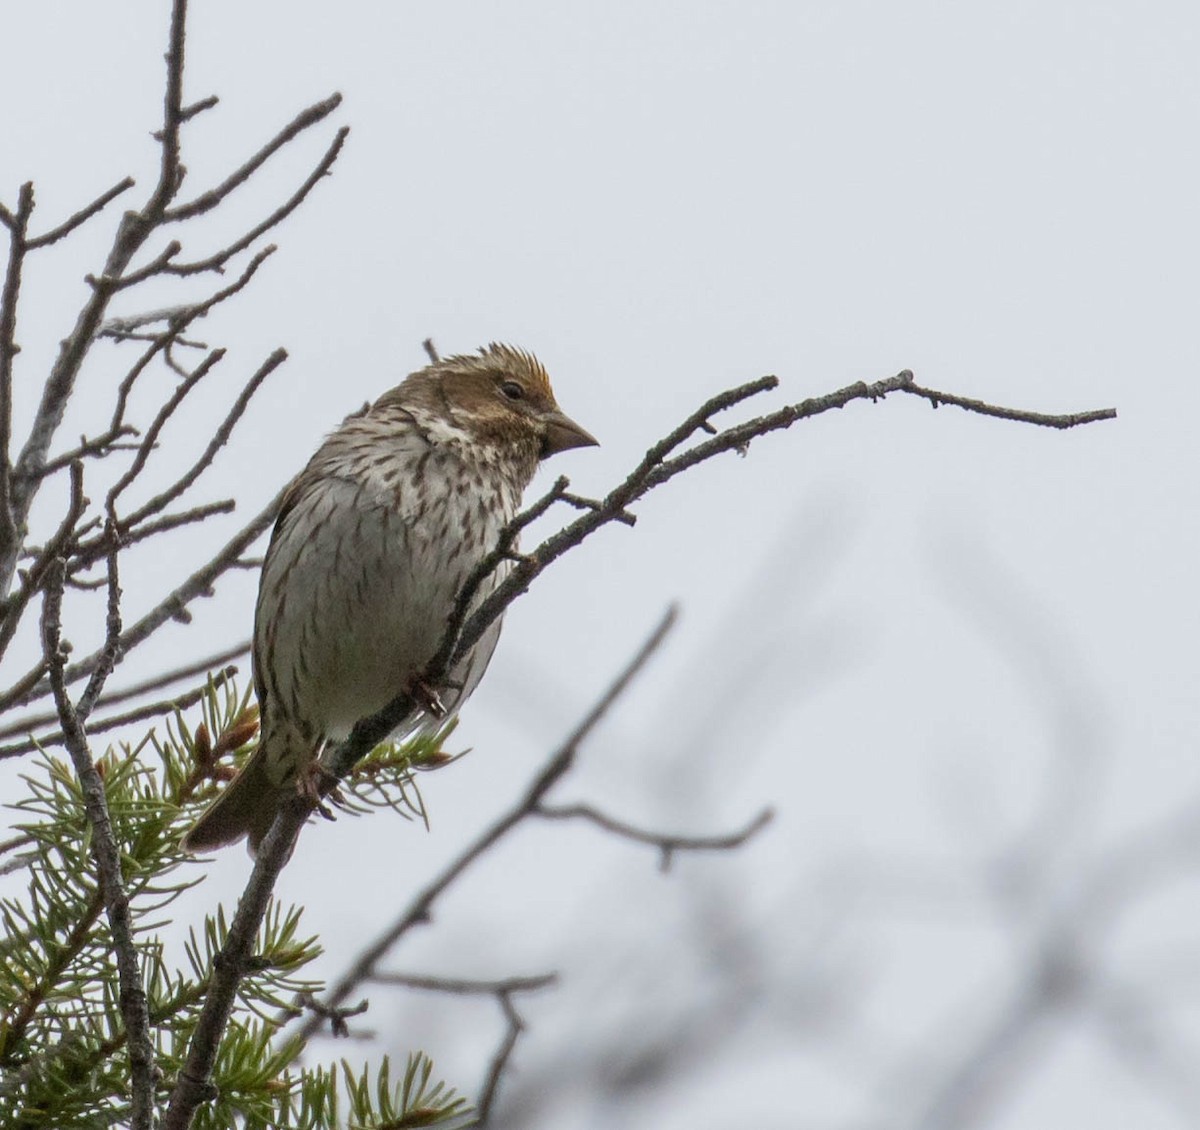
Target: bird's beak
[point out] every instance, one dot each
(562, 433)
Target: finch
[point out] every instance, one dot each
(373, 544)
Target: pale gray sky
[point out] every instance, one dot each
(661, 200)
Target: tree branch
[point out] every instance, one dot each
(150, 439)
(116, 721)
(667, 844)
(217, 260)
(171, 607)
(220, 436)
(108, 860)
(135, 690)
(659, 466)
(31, 581)
(206, 201)
(11, 523)
(503, 990)
(82, 216)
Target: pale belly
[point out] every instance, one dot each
(367, 599)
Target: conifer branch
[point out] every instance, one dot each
(108, 860)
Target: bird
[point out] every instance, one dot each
(373, 543)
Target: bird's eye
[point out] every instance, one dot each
(512, 390)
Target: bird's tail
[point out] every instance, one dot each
(246, 807)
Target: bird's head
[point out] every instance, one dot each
(499, 396)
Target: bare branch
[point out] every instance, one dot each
(217, 260)
(465, 987)
(87, 553)
(337, 1017)
(156, 266)
(170, 170)
(29, 686)
(132, 994)
(150, 439)
(206, 201)
(116, 721)
(196, 108)
(110, 653)
(661, 463)
(667, 844)
(496, 1069)
(171, 607)
(194, 1082)
(136, 690)
(178, 318)
(194, 1085)
(31, 582)
(503, 990)
(660, 466)
(82, 216)
(134, 229)
(98, 448)
(11, 523)
(198, 584)
(1070, 420)
(220, 436)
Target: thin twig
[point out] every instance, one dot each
(150, 439)
(187, 113)
(206, 201)
(337, 1017)
(29, 686)
(111, 652)
(217, 260)
(503, 990)
(132, 233)
(667, 844)
(87, 553)
(1041, 419)
(97, 448)
(11, 523)
(108, 860)
(156, 266)
(219, 438)
(170, 169)
(15, 606)
(115, 721)
(465, 987)
(82, 216)
(172, 606)
(508, 1045)
(136, 690)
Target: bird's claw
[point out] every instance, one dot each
(427, 698)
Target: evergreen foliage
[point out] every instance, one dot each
(63, 1060)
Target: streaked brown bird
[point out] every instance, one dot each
(373, 543)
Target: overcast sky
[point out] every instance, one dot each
(913, 633)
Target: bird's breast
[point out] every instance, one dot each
(361, 580)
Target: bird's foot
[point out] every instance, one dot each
(427, 698)
(314, 782)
